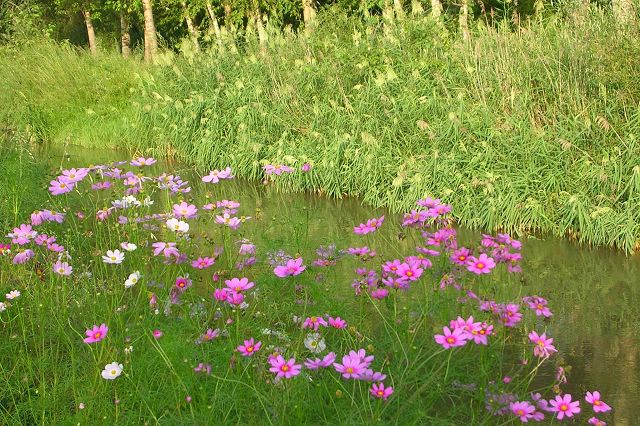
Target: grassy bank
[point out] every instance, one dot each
(535, 130)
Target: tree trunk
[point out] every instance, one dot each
(436, 9)
(193, 32)
(308, 12)
(216, 26)
(398, 9)
(125, 36)
(624, 12)
(463, 20)
(262, 34)
(416, 8)
(150, 37)
(91, 33)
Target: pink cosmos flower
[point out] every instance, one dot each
(460, 256)
(596, 421)
(157, 334)
(141, 161)
(23, 256)
(599, 406)
(564, 406)
(379, 391)
(379, 293)
(292, 268)
(305, 167)
(73, 175)
(239, 284)
(510, 315)
(523, 410)
(284, 368)
(234, 298)
(208, 336)
(409, 271)
(481, 265)
(203, 368)
(326, 361)
(249, 348)
(247, 248)
(167, 249)
(221, 294)
(62, 268)
(57, 187)
(351, 367)
(337, 322)
(22, 234)
(188, 211)
(479, 334)
(96, 334)
(203, 262)
(314, 323)
(544, 346)
(277, 169)
(215, 176)
(451, 339)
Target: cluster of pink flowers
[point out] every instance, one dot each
(460, 331)
(67, 181)
(371, 225)
(543, 344)
(233, 292)
(539, 305)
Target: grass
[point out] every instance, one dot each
(47, 371)
(526, 131)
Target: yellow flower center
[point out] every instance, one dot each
(284, 368)
(480, 265)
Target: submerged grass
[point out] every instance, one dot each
(528, 131)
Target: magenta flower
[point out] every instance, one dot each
(480, 265)
(314, 323)
(203, 262)
(596, 421)
(409, 271)
(183, 283)
(283, 368)
(451, 339)
(22, 235)
(239, 284)
(315, 364)
(306, 167)
(249, 348)
(523, 410)
(157, 334)
(57, 187)
(379, 391)
(96, 334)
(379, 293)
(215, 176)
(292, 268)
(221, 294)
(564, 406)
(234, 298)
(599, 406)
(188, 211)
(166, 249)
(544, 346)
(351, 367)
(460, 256)
(337, 322)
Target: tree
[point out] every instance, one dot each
(91, 33)
(150, 37)
(193, 32)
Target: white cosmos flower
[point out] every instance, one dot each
(3, 306)
(132, 280)
(177, 225)
(315, 343)
(128, 246)
(112, 371)
(113, 256)
(147, 202)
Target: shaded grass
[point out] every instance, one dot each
(528, 131)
